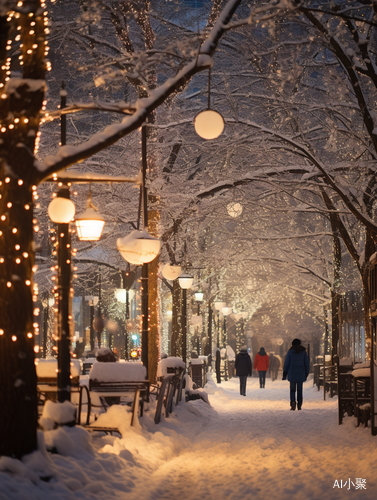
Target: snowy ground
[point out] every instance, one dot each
(239, 448)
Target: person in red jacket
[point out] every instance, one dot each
(261, 363)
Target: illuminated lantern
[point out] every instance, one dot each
(89, 225)
(170, 272)
(185, 281)
(209, 124)
(139, 247)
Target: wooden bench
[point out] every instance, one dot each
(346, 396)
(47, 380)
(138, 389)
(47, 390)
(362, 399)
(169, 386)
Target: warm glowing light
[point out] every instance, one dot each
(170, 272)
(61, 210)
(185, 281)
(139, 247)
(89, 225)
(209, 124)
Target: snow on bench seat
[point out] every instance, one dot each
(128, 371)
(169, 365)
(48, 368)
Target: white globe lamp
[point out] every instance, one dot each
(61, 210)
(139, 247)
(185, 281)
(209, 124)
(170, 272)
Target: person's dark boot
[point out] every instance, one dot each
(293, 405)
(298, 407)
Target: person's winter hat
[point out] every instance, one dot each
(296, 342)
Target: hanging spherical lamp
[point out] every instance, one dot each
(209, 124)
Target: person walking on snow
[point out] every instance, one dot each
(296, 367)
(261, 363)
(243, 367)
(274, 367)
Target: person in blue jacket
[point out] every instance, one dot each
(296, 367)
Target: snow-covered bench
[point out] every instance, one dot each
(345, 388)
(170, 377)
(47, 378)
(109, 382)
(362, 393)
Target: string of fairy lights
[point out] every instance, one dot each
(31, 27)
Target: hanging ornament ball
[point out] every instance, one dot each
(234, 209)
(209, 124)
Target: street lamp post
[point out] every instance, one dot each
(218, 306)
(64, 286)
(226, 312)
(185, 281)
(199, 296)
(140, 248)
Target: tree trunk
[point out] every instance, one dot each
(369, 251)
(18, 393)
(153, 303)
(20, 107)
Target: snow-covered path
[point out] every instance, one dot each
(256, 447)
(237, 448)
